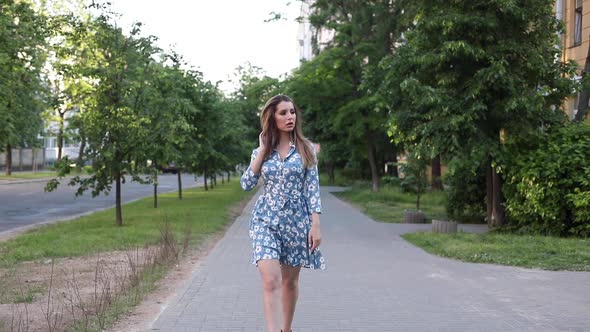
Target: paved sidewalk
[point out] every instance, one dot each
(376, 281)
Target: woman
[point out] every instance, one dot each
(285, 224)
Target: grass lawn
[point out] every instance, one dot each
(205, 212)
(389, 203)
(28, 175)
(541, 252)
(339, 180)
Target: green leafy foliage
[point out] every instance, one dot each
(346, 76)
(415, 180)
(23, 96)
(467, 71)
(138, 107)
(466, 183)
(548, 187)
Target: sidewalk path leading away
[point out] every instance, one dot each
(376, 281)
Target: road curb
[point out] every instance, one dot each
(7, 182)
(12, 233)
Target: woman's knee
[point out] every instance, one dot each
(290, 282)
(271, 282)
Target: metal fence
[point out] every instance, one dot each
(25, 159)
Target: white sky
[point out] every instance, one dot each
(216, 36)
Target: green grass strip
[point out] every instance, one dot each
(205, 212)
(543, 252)
(389, 203)
(28, 175)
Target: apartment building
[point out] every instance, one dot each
(307, 35)
(575, 41)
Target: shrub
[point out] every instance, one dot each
(466, 190)
(391, 180)
(547, 189)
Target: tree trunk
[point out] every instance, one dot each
(155, 187)
(394, 170)
(119, 216)
(582, 106)
(489, 192)
(8, 159)
(60, 136)
(80, 162)
(436, 173)
(215, 179)
(494, 199)
(222, 180)
(583, 100)
(179, 185)
(331, 173)
(20, 160)
(33, 162)
(498, 214)
(205, 180)
(372, 162)
(228, 176)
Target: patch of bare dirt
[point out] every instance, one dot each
(51, 295)
(168, 288)
(145, 314)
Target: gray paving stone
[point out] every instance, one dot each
(376, 281)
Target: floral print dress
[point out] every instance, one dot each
(281, 219)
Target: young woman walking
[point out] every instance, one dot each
(285, 224)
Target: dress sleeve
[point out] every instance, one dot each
(249, 179)
(312, 187)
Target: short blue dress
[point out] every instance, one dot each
(281, 218)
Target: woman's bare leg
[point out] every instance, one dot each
(270, 273)
(290, 288)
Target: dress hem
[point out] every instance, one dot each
(306, 266)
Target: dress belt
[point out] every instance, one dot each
(282, 200)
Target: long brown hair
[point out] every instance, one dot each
(271, 132)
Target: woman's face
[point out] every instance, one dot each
(285, 116)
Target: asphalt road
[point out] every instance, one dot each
(25, 204)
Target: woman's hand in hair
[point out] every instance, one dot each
(261, 138)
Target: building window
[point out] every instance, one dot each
(578, 22)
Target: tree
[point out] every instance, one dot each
(320, 88)
(22, 92)
(63, 80)
(254, 89)
(116, 125)
(474, 73)
(164, 107)
(415, 180)
(363, 33)
(210, 153)
(235, 148)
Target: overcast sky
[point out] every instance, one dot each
(219, 35)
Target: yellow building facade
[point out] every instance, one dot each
(575, 41)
